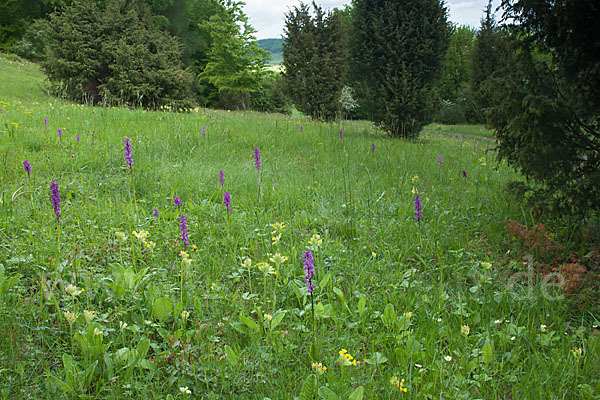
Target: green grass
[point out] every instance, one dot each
(392, 291)
(464, 130)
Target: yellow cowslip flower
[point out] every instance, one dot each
(70, 316)
(465, 330)
(408, 314)
(318, 368)
(577, 353)
(486, 265)
(266, 268)
(373, 254)
(398, 384)
(142, 235)
(315, 241)
(185, 314)
(97, 332)
(278, 259)
(345, 359)
(184, 254)
(73, 290)
(14, 124)
(121, 236)
(415, 178)
(275, 239)
(277, 226)
(89, 316)
(247, 262)
(268, 317)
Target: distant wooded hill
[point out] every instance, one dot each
(275, 46)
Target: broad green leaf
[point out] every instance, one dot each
(325, 280)
(340, 294)
(232, 357)
(277, 319)
(413, 347)
(308, 388)
(378, 358)
(327, 394)
(362, 305)
(389, 316)
(253, 326)
(161, 308)
(488, 352)
(357, 394)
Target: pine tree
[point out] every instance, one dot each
(313, 61)
(397, 51)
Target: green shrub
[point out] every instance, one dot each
(271, 97)
(31, 46)
(114, 55)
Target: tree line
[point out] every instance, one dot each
(534, 78)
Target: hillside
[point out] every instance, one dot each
(274, 46)
(242, 255)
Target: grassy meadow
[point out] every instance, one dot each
(102, 303)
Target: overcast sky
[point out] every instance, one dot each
(267, 16)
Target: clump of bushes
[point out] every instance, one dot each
(114, 54)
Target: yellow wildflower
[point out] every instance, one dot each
(465, 330)
(318, 368)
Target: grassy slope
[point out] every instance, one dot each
(361, 203)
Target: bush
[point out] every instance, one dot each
(460, 111)
(114, 55)
(32, 46)
(270, 97)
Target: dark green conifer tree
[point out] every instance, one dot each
(313, 61)
(114, 54)
(397, 50)
(545, 102)
(488, 56)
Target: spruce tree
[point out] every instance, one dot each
(488, 56)
(312, 59)
(397, 51)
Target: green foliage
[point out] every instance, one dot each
(398, 49)
(455, 102)
(271, 97)
(313, 61)
(545, 103)
(32, 46)
(16, 17)
(114, 55)
(456, 73)
(546, 132)
(450, 270)
(235, 62)
(488, 56)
